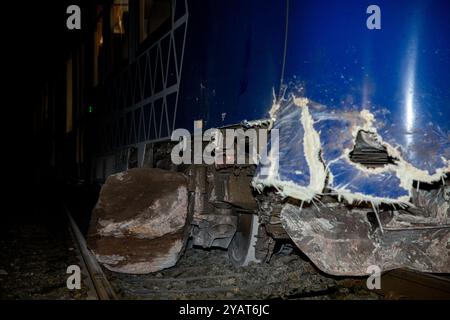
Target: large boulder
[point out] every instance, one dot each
(140, 222)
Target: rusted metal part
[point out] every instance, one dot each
(214, 223)
(431, 211)
(140, 222)
(216, 229)
(218, 194)
(232, 185)
(198, 184)
(269, 209)
(434, 203)
(239, 191)
(265, 245)
(342, 241)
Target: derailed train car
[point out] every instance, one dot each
(357, 174)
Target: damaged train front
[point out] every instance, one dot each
(361, 170)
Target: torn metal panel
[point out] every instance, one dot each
(314, 137)
(378, 112)
(293, 166)
(434, 204)
(389, 183)
(339, 130)
(344, 242)
(391, 84)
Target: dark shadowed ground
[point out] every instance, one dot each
(36, 249)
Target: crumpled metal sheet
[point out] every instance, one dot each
(290, 153)
(399, 73)
(343, 242)
(337, 134)
(400, 78)
(337, 131)
(394, 85)
(435, 203)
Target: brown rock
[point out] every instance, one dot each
(139, 224)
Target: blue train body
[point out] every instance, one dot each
(232, 61)
(362, 115)
(398, 73)
(223, 63)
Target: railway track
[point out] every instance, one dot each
(96, 279)
(407, 284)
(209, 275)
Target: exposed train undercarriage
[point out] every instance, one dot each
(225, 211)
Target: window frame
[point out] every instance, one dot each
(156, 34)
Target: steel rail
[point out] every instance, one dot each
(101, 284)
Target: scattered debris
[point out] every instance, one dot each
(343, 241)
(203, 275)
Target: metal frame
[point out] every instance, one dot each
(138, 107)
(142, 100)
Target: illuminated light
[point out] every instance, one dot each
(90, 109)
(409, 104)
(409, 87)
